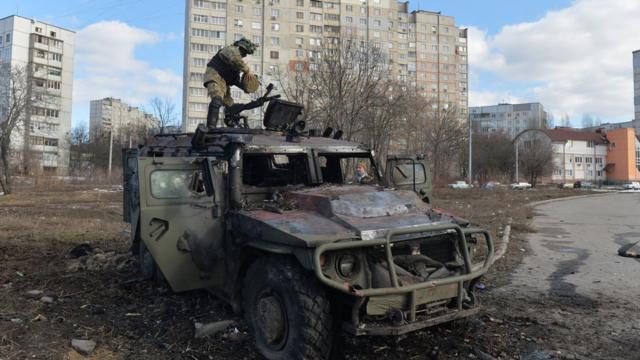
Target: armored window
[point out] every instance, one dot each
(171, 184)
(266, 170)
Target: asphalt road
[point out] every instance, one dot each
(574, 252)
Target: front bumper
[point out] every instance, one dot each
(412, 291)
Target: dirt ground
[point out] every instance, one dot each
(100, 297)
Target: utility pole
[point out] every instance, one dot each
(110, 151)
(470, 148)
(517, 174)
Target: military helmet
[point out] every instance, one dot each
(246, 45)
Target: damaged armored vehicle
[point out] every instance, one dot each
(274, 222)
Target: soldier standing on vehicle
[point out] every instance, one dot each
(223, 71)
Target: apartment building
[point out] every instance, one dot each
(112, 115)
(509, 119)
(46, 53)
(636, 84)
(424, 49)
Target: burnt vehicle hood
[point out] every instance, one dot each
(324, 214)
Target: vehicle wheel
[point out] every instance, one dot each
(287, 310)
(148, 267)
(145, 262)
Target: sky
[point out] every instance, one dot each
(575, 57)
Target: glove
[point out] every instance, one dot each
(250, 82)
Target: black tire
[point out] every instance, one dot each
(287, 311)
(148, 267)
(146, 263)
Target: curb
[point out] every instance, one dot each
(543, 202)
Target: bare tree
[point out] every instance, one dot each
(14, 98)
(535, 157)
(164, 110)
(437, 132)
(493, 157)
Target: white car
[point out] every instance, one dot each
(634, 185)
(460, 185)
(521, 185)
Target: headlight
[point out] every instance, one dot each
(347, 265)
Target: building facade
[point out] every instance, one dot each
(112, 115)
(509, 119)
(46, 53)
(623, 157)
(602, 155)
(636, 85)
(424, 49)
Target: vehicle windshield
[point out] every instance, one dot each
(347, 168)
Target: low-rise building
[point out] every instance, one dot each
(602, 155)
(509, 119)
(623, 156)
(577, 155)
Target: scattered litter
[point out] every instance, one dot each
(47, 300)
(132, 314)
(79, 251)
(39, 317)
(84, 347)
(19, 273)
(480, 286)
(34, 293)
(213, 328)
(16, 321)
(630, 250)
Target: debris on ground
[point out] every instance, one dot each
(80, 251)
(212, 328)
(84, 347)
(630, 250)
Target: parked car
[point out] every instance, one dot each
(460, 185)
(565, 186)
(491, 185)
(521, 186)
(634, 185)
(583, 185)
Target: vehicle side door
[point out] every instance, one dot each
(409, 173)
(181, 219)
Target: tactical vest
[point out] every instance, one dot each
(230, 76)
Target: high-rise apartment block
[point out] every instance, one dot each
(424, 49)
(46, 53)
(636, 84)
(509, 119)
(112, 115)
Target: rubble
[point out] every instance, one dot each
(47, 299)
(213, 328)
(630, 250)
(84, 347)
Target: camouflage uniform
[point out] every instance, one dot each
(214, 78)
(223, 71)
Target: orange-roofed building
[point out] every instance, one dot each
(623, 155)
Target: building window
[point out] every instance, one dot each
(274, 55)
(275, 13)
(315, 28)
(194, 106)
(299, 41)
(299, 2)
(275, 27)
(256, 25)
(238, 23)
(56, 57)
(316, 16)
(299, 15)
(198, 91)
(275, 41)
(349, 7)
(7, 38)
(239, 9)
(299, 28)
(316, 4)
(348, 19)
(299, 53)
